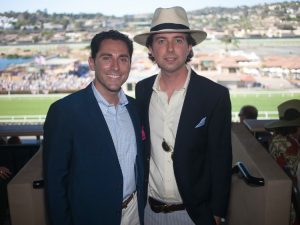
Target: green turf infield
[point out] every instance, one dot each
(26, 104)
(38, 104)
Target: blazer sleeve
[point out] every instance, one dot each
(219, 142)
(56, 160)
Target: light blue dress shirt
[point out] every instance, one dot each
(122, 132)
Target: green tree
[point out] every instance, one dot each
(229, 40)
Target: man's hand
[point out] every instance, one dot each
(4, 173)
(218, 220)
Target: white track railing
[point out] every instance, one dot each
(262, 115)
(41, 118)
(23, 119)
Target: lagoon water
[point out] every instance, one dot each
(5, 62)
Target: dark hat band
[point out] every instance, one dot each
(174, 26)
(290, 114)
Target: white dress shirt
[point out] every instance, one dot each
(164, 118)
(122, 132)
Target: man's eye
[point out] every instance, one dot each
(105, 58)
(179, 41)
(124, 59)
(161, 41)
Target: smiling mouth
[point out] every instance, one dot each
(170, 59)
(114, 76)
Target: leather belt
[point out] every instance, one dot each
(158, 206)
(126, 202)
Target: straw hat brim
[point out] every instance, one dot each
(197, 35)
(283, 123)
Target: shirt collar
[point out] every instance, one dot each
(156, 86)
(123, 101)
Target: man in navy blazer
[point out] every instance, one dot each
(93, 163)
(187, 122)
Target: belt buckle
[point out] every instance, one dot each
(127, 201)
(165, 208)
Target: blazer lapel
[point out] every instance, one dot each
(94, 113)
(186, 118)
(135, 120)
(147, 95)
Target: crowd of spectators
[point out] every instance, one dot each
(43, 82)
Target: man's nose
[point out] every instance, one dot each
(170, 46)
(115, 64)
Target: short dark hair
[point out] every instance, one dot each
(190, 41)
(111, 34)
(249, 112)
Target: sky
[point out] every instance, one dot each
(117, 7)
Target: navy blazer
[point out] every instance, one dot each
(203, 154)
(83, 178)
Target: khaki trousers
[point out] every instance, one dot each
(130, 215)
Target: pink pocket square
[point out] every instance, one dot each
(143, 134)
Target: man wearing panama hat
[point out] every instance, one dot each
(289, 115)
(187, 122)
(284, 146)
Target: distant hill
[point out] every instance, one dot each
(263, 20)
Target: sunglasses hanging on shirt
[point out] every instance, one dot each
(167, 148)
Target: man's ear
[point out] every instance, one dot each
(150, 51)
(91, 63)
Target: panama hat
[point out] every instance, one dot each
(289, 115)
(166, 20)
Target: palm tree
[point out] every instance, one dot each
(229, 40)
